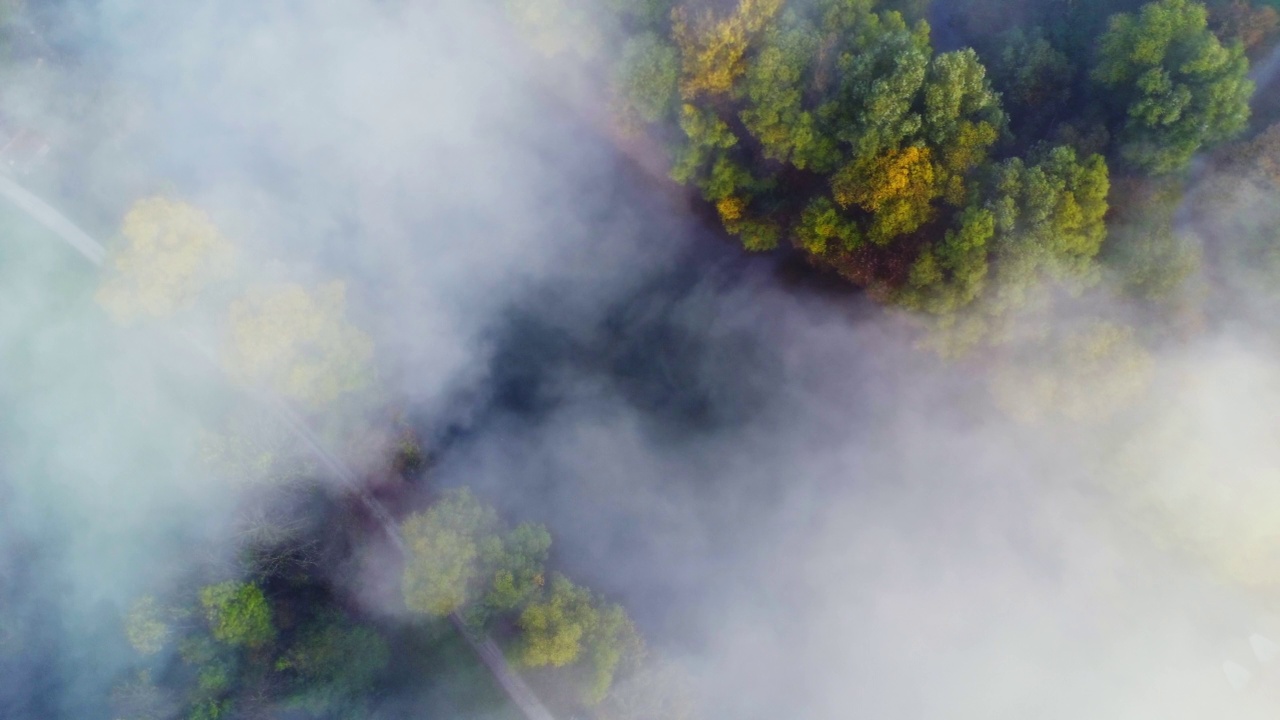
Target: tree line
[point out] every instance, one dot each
(958, 184)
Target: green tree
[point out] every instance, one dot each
(1049, 222)
(1235, 204)
(210, 710)
(643, 15)
(648, 77)
(515, 564)
(952, 274)
(1181, 89)
(333, 665)
(824, 228)
(238, 614)
(912, 10)
(1035, 82)
(773, 93)
(443, 546)
(915, 126)
(962, 118)
(707, 136)
(874, 103)
(610, 643)
(553, 629)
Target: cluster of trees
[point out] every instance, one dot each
(170, 260)
(225, 655)
(921, 175)
(463, 560)
(274, 639)
(272, 632)
(957, 184)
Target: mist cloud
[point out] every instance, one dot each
(812, 516)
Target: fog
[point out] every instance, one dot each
(805, 511)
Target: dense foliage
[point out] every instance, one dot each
(958, 184)
(283, 636)
(463, 560)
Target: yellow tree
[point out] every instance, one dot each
(298, 342)
(712, 50)
(170, 252)
(554, 628)
(896, 187)
(443, 562)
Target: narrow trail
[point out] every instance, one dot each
(517, 690)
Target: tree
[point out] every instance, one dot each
(1181, 89)
(443, 551)
(644, 15)
(952, 274)
(911, 10)
(713, 50)
(253, 449)
(333, 664)
(1035, 81)
(896, 188)
(145, 626)
(874, 104)
(515, 565)
(648, 77)
(1235, 204)
(1031, 224)
(774, 109)
(707, 136)
(171, 252)
(298, 343)
(238, 614)
(823, 228)
(1049, 222)
(552, 629)
(916, 126)
(962, 118)
(1257, 160)
(612, 642)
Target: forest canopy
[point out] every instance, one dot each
(949, 182)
